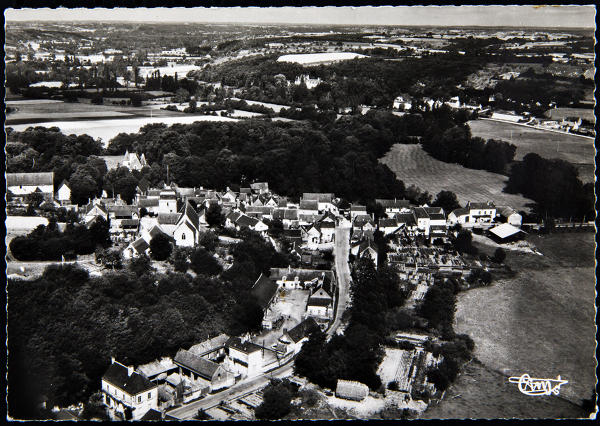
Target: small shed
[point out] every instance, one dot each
(505, 233)
(348, 389)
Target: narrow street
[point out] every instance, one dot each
(341, 252)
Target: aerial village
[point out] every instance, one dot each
(294, 300)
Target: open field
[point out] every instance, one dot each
(575, 149)
(414, 166)
(540, 322)
(482, 393)
(108, 129)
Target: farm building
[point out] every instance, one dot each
(265, 290)
(509, 215)
(20, 184)
(505, 233)
(352, 390)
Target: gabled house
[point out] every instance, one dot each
(150, 204)
(324, 200)
(260, 187)
(289, 217)
(132, 161)
(168, 222)
(167, 202)
(212, 349)
(482, 212)
(510, 216)
(63, 195)
(198, 368)
(320, 304)
(244, 358)
(422, 219)
(187, 229)
(247, 222)
(93, 210)
(125, 390)
(366, 248)
(296, 337)
(231, 219)
(459, 216)
(137, 248)
(363, 222)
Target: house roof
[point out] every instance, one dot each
(506, 210)
(210, 345)
(152, 415)
(460, 212)
(291, 233)
(388, 223)
(302, 330)
(322, 197)
(318, 302)
(156, 367)
(434, 210)
(168, 195)
(204, 367)
(363, 219)
(233, 216)
(246, 221)
(366, 244)
(392, 203)
(246, 346)
(437, 216)
(264, 289)
(420, 213)
(245, 190)
(482, 206)
(309, 205)
(117, 375)
(284, 213)
(168, 218)
(29, 179)
(155, 230)
(190, 214)
(505, 230)
(148, 202)
(260, 186)
(129, 222)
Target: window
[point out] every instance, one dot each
(149, 395)
(183, 236)
(139, 398)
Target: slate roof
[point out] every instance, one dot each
(420, 213)
(302, 330)
(168, 195)
(482, 206)
(140, 245)
(209, 345)
(245, 191)
(505, 230)
(358, 208)
(363, 219)
(460, 212)
(318, 302)
(284, 213)
(260, 186)
(156, 367)
(392, 203)
(264, 289)
(246, 221)
(117, 375)
(29, 179)
(506, 210)
(168, 218)
(152, 415)
(309, 205)
(434, 210)
(246, 347)
(148, 202)
(190, 213)
(388, 223)
(204, 367)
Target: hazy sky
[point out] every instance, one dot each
(519, 16)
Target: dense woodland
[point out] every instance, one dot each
(64, 326)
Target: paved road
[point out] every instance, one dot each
(187, 412)
(341, 251)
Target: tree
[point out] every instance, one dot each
(214, 215)
(464, 242)
(446, 200)
(179, 259)
(160, 247)
(202, 262)
(140, 265)
(276, 402)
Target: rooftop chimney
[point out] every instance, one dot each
(129, 371)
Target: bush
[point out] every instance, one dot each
(393, 386)
(499, 255)
(276, 402)
(202, 262)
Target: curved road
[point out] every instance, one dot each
(342, 251)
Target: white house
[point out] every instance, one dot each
(324, 200)
(243, 357)
(132, 161)
(63, 195)
(320, 305)
(504, 116)
(459, 216)
(136, 248)
(387, 225)
(393, 206)
(401, 103)
(356, 210)
(482, 212)
(309, 207)
(124, 389)
(422, 219)
(365, 248)
(296, 337)
(21, 184)
(187, 229)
